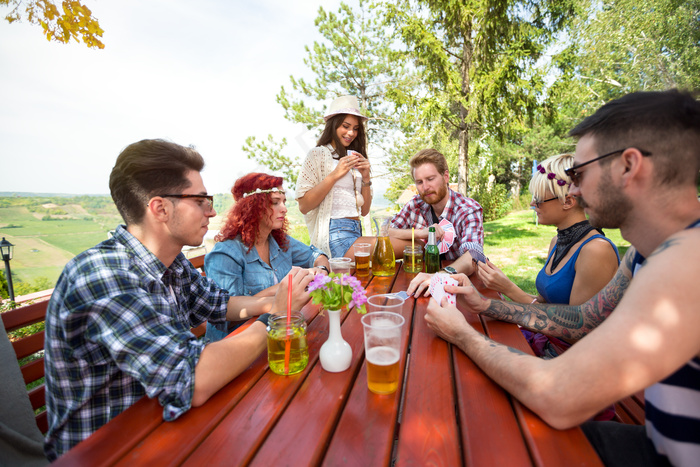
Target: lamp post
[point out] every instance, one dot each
(7, 248)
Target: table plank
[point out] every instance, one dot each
(547, 445)
(428, 432)
(367, 426)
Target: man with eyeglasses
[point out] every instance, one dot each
(118, 324)
(636, 168)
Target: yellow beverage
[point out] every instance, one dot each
(413, 261)
(383, 260)
(382, 370)
(362, 263)
(299, 351)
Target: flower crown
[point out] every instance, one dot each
(552, 176)
(258, 191)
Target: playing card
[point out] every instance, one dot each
(437, 288)
(477, 255)
(402, 294)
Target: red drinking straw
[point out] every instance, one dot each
(287, 340)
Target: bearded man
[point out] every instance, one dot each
(436, 202)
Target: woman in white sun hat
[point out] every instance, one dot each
(334, 186)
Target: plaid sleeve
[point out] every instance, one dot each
(469, 217)
(409, 216)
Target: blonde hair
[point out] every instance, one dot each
(553, 179)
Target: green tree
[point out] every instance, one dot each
(479, 62)
(355, 58)
(73, 21)
(621, 46)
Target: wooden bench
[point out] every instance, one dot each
(33, 345)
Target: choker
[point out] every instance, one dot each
(569, 237)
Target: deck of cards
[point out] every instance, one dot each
(437, 288)
(448, 237)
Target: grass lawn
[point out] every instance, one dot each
(519, 247)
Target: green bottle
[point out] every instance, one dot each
(432, 254)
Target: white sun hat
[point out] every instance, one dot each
(344, 105)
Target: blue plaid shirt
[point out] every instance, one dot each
(118, 327)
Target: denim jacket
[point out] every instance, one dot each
(242, 272)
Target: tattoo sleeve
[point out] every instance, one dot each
(564, 321)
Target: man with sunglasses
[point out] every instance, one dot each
(118, 324)
(636, 168)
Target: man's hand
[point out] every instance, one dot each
(419, 284)
(300, 297)
(468, 298)
(446, 321)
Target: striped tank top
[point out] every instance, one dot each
(672, 408)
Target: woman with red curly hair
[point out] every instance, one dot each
(253, 251)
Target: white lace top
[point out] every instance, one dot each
(344, 196)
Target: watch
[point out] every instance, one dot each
(449, 270)
(321, 266)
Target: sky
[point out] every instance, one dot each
(202, 73)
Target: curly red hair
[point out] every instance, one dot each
(244, 216)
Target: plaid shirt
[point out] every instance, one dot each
(118, 327)
(464, 213)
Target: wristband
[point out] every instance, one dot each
(533, 301)
(263, 318)
(366, 183)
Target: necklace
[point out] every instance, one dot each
(568, 237)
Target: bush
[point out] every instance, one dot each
(494, 202)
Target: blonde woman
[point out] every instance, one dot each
(580, 261)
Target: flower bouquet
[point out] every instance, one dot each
(337, 290)
(333, 292)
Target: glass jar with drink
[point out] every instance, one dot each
(282, 339)
(413, 259)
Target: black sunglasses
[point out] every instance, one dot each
(576, 177)
(537, 203)
(209, 198)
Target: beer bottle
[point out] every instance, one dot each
(432, 254)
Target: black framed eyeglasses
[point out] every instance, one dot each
(576, 177)
(537, 203)
(206, 207)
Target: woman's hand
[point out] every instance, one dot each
(346, 163)
(492, 277)
(363, 166)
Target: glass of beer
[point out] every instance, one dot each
(281, 337)
(413, 259)
(383, 332)
(362, 258)
(340, 265)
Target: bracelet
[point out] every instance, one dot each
(321, 266)
(533, 301)
(263, 318)
(366, 183)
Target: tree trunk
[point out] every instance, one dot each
(464, 118)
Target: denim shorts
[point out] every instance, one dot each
(342, 234)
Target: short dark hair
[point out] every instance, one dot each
(330, 135)
(149, 168)
(428, 156)
(665, 123)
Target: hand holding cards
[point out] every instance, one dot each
(437, 288)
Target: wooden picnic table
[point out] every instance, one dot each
(445, 412)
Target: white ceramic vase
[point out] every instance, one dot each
(335, 354)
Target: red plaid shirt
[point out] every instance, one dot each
(464, 213)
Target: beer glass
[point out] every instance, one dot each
(340, 265)
(362, 258)
(382, 330)
(277, 336)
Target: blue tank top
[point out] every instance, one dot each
(672, 407)
(556, 288)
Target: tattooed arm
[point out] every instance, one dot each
(654, 331)
(562, 321)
